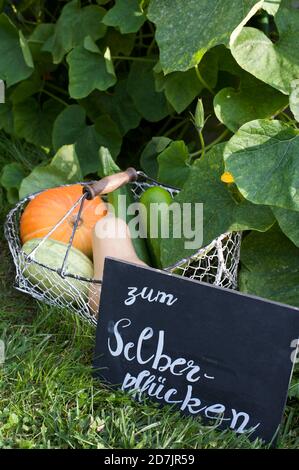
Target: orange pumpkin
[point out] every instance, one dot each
(46, 209)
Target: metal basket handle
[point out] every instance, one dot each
(108, 184)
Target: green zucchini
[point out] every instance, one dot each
(109, 167)
(160, 197)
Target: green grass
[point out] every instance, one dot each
(48, 398)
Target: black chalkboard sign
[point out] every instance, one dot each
(212, 352)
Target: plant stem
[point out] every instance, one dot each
(176, 127)
(57, 88)
(151, 27)
(216, 141)
(147, 35)
(59, 100)
(282, 113)
(164, 127)
(140, 38)
(202, 80)
(35, 41)
(203, 145)
(137, 59)
(288, 119)
(50, 14)
(29, 22)
(151, 46)
(185, 128)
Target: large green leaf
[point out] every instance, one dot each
(252, 100)
(174, 166)
(270, 266)
(289, 223)
(26, 50)
(41, 33)
(41, 178)
(67, 162)
(271, 6)
(73, 25)
(152, 105)
(6, 117)
(186, 30)
(182, 87)
(119, 44)
(15, 59)
(126, 15)
(225, 61)
(107, 164)
(148, 158)
(118, 104)
(109, 134)
(64, 168)
(68, 126)
(87, 147)
(36, 41)
(294, 99)
(43, 60)
(34, 122)
(12, 175)
(89, 70)
(263, 159)
(223, 207)
(104, 133)
(26, 88)
(276, 64)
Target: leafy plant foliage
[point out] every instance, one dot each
(184, 91)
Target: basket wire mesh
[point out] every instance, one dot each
(216, 264)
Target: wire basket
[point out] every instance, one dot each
(216, 263)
